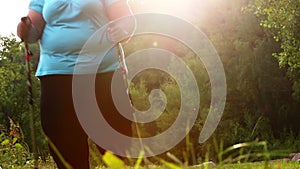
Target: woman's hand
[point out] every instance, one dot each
(122, 22)
(23, 28)
(121, 30)
(31, 27)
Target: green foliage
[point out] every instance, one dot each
(170, 165)
(258, 90)
(13, 152)
(244, 152)
(282, 19)
(13, 89)
(259, 103)
(288, 142)
(259, 165)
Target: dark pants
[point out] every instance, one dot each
(60, 123)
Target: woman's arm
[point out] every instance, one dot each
(30, 28)
(122, 22)
(118, 10)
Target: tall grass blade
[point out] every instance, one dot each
(112, 161)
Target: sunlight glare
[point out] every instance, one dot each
(10, 13)
(179, 8)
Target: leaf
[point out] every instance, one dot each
(18, 146)
(112, 161)
(5, 142)
(15, 140)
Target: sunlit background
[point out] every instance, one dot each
(181, 8)
(10, 13)
(12, 10)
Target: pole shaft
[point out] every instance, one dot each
(30, 101)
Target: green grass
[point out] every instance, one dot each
(238, 156)
(256, 165)
(235, 158)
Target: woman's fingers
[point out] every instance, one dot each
(23, 28)
(117, 34)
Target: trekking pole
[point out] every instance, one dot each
(123, 66)
(28, 55)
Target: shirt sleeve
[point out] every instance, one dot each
(109, 2)
(36, 5)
